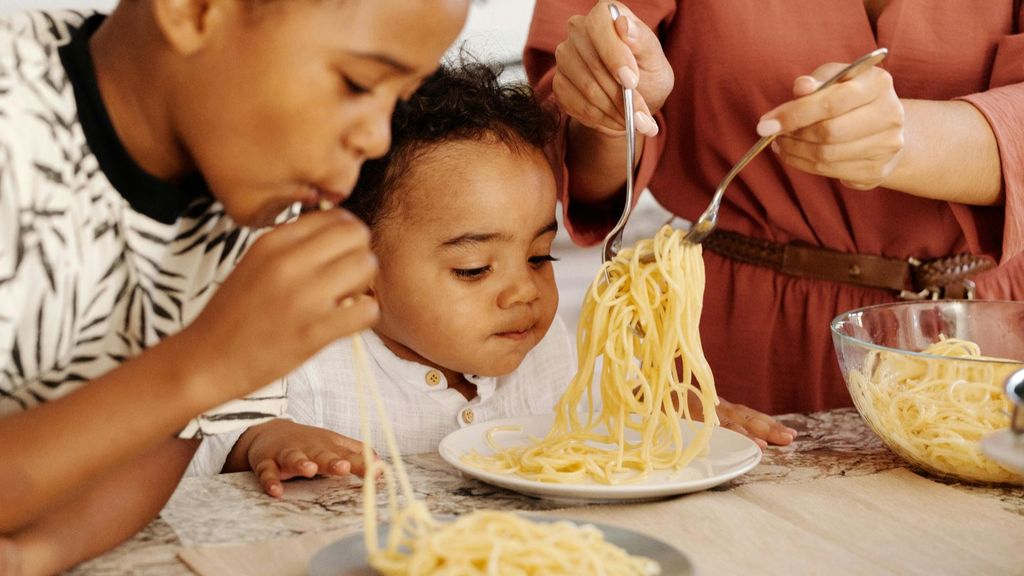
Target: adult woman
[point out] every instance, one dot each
(917, 160)
(123, 173)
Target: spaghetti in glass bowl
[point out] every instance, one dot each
(928, 378)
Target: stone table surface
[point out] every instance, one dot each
(231, 508)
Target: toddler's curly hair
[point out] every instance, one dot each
(456, 103)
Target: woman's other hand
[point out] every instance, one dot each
(852, 131)
(599, 57)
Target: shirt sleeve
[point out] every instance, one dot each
(8, 252)
(586, 224)
(304, 396)
(212, 453)
(23, 277)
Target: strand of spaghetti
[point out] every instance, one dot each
(642, 391)
(484, 542)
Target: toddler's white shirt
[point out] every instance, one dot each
(420, 405)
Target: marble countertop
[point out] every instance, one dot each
(231, 508)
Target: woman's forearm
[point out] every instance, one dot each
(950, 153)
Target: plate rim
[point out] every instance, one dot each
(690, 568)
(591, 492)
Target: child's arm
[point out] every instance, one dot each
(275, 310)
(94, 520)
(282, 449)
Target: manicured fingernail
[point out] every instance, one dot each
(627, 77)
(761, 443)
(768, 127)
(775, 146)
(645, 123)
(810, 80)
(792, 432)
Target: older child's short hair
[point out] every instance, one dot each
(456, 103)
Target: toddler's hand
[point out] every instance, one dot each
(282, 449)
(760, 427)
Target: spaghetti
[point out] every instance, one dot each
(484, 542)
(638, 318)
(935, 411)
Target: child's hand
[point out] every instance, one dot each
(282, 449)
(758, 426)
(286, 300)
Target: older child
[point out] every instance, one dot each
(462, 217)
(138, 153)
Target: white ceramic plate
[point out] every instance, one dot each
(347, 556)
(731, 454)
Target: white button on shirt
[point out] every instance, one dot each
(421, 407)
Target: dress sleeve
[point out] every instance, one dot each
(586, 224)
(1003, 107)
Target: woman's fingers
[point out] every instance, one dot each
(834, 101)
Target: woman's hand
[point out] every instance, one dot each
(281, 449)
(297, 289)
(852, 131)
(599, 57)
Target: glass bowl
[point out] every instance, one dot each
(929, 408)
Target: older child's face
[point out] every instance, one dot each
(466, 283)
(285, 106)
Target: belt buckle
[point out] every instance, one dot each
(930, 293)
(936, 292)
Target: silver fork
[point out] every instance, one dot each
(709, 219)
(613, 240)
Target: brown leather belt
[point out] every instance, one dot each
(947, 277)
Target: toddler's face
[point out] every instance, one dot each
(466, 283)
(285, 107)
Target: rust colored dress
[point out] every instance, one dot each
(766, 335)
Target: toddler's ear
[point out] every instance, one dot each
(188, 24)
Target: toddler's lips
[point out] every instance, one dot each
(516, 334)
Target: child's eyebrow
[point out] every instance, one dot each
(483, 237)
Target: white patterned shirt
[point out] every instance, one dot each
(98, 260)
(421, 407)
